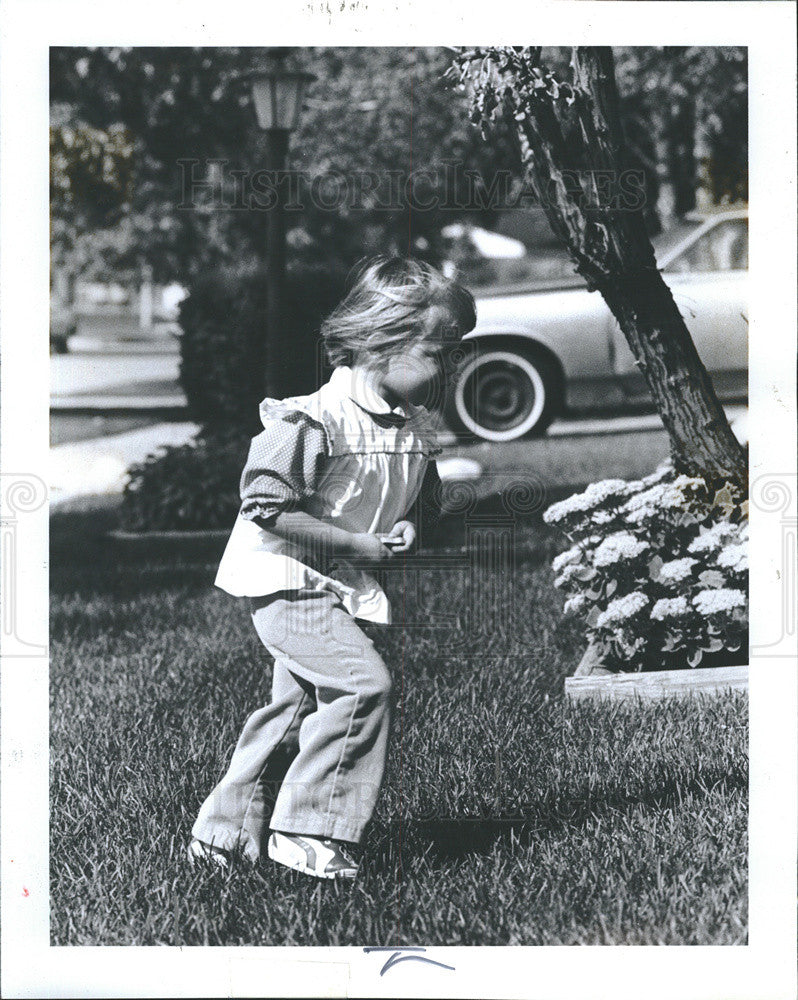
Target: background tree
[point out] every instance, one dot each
(402, 118)
(573, 151)
(372, 111)
(168, 104)
(684, 112)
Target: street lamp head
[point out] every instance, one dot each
(277, 93)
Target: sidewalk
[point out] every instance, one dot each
(98, 467)
(82, 343)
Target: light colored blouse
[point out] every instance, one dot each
(343, 455)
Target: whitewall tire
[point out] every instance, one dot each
(502, 395)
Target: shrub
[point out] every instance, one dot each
(658, 571)
(224, 338)
(190, 487)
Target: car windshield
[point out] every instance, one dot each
(669, 239)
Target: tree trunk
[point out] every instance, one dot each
(666, 203)
(146, 299)
(702, 442)
(573, 149)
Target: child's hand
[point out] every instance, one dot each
(401, 537)
(365, 547)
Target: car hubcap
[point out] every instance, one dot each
(500, 395)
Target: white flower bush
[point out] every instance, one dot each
(712, 538)
(676, 570)
(622, 608)
(734, 557)
(715, 602)
(601, 517)
(662, 496)
(581, 503)
(621, 545)
(669, 607)
(572, 555)
(665, 584)
(574, 604)
(568, 573)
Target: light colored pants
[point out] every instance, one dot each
(318, 750)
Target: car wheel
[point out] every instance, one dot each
(502, 394)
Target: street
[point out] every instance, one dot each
(148, 379)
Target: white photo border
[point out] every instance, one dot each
(765, 967)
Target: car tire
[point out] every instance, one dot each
(504, 393)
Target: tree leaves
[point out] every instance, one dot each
(184, 103)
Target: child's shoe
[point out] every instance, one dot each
(318, 856)
(202, 853)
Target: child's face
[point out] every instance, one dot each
(412, 374)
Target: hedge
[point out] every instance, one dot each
(223, 345)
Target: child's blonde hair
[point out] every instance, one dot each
(395, 300)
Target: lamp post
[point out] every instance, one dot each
(277, 92)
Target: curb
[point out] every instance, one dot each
(91, 405)
(82, 344)
(210, 534)
(199, 544)
(208, 545)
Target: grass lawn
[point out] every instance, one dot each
(507, 816)
(560, 460)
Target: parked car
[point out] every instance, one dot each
(63, 325)
(543, 348)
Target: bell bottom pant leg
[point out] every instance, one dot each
(333, 715)
(235, 814)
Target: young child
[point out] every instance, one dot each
(326, 491)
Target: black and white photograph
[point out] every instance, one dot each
(377, 520)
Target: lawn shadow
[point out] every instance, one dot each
(443, 840)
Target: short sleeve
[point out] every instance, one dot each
(283, 466)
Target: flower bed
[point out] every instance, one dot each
(658, 571)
